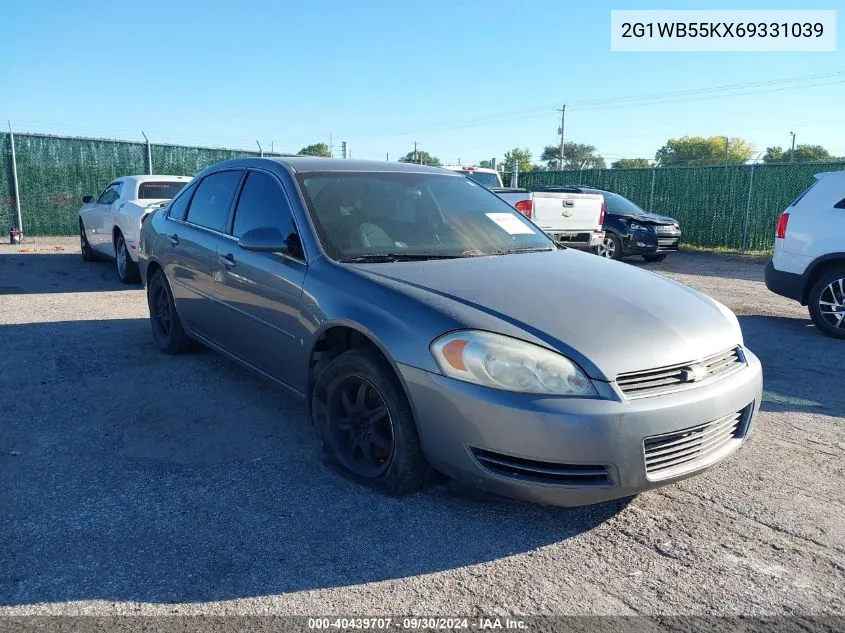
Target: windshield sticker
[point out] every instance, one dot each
(510, 223)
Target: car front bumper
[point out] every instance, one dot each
(652, 243)
(463, 427)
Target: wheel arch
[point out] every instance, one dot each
(335, 337)
(820, 267)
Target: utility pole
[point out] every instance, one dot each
(331, 146)
(727, 142)
(792, 153)
(560, 131)
(416, 155)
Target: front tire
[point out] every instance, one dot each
(361, 412)
(655, 258)
(127, 270)
(168, 333)
(610, 247)
(827, 303)
(84, 246)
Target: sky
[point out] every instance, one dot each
(467, 80)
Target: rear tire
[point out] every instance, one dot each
(168, 333)
(361, 412)
(84, 246)
(655, 258)
(826, 303)
(127, 270)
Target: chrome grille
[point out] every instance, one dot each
(679, 452)
(668, 243)
(542, 472)
(666, 228)
(675, 377)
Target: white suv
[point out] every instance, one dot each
(809, 260)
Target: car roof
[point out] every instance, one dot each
(305, 164)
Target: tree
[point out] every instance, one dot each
(575, 156)
(803, 153)
(523, 158)
(486, 164)
(421, 157)
(631, 163)
(317, 149)
(698, 150)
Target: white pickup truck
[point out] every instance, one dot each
(574, 219)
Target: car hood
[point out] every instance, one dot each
(608, 316)
(648, 217)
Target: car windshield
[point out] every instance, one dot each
(396, 215)
(620, 206)
(161, 190)
(483, 178)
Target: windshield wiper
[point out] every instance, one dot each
(375, 258)
(527, 249)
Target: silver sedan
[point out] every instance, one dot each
(430, 326)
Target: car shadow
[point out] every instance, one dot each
(799, 364)
(35, 273)
(131, 475)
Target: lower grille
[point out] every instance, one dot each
(668, 243)
(542, 472)
(675, 377)
(679, 452)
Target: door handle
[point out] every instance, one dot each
(174, 239)
(227, 260)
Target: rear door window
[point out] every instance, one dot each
(210, 204)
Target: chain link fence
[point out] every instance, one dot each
(727, 206)
(733, 206)
(55, 172)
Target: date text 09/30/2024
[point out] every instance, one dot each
(446, 624)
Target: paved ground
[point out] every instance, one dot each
(136, 483)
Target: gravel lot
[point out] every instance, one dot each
(131, 482)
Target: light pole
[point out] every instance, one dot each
(792, 152)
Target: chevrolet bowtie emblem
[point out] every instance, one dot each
(694, 374)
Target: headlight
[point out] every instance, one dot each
(501, 362)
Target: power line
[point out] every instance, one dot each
(627, 101)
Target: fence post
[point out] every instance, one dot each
(149, 154)
(651, 195)
(747, 210)
(515, 174)
(580, 176)
(15, 180)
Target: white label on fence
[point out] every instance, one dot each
(723, 30)
(511, 223)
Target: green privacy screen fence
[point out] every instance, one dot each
(734, 206)
(55, 172)
(723, 206)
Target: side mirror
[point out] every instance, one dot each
(294, 246)
(263, 240)
(87, 199)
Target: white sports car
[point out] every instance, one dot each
(109, 225)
